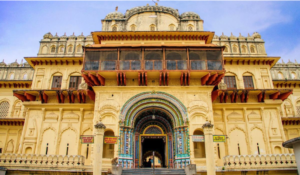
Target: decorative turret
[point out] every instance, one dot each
(48, 35)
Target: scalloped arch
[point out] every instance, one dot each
(153, 99)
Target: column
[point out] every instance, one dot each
(209, 148)
(98, 148)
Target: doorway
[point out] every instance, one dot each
(157, 145)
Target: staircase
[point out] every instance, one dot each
(149, 171)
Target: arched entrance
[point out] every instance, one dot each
(154, 121)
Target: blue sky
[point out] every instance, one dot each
(23, 24)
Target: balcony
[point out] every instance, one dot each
(156, 59)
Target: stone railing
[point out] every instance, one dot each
(40, 160)
(269, 161)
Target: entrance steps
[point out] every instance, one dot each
(149, 171)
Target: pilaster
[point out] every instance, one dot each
(209, 148)
(98, 148)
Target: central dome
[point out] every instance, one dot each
(147, 8)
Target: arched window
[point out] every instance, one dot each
(234, 49)
(252, 49)
(78, 49)
(293, 75)
(44, 49)
(25, 77)
(132, 27)
(226, 49)
(199, 147)
(280, 75)
(61, 49)
(244, 49)
(152, 27)
(52, 49)
(70, 48)
(108, 149)
(11, 76)
(114, 28)
(4, 107)
(172, 27)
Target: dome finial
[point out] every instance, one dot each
(117, 8)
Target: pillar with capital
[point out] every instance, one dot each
(209, 148)
(98, 148)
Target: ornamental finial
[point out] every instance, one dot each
(117, 8)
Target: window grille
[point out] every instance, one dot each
(56, 83)
(75, 81)
(248, 82)
(4, 107)
(230, 82)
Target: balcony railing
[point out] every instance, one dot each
(41, 160)
(153, 65)
(264, 161)
(130, 65)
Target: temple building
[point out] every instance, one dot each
(151, 84)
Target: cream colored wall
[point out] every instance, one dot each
(44, 74)
(260, 73)
(143, 21)
(248, 124)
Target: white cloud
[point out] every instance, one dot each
(242, 17)
(290, 54)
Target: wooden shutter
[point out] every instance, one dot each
(56, 83)
(248, 82)
(74, 82)
(230, 82)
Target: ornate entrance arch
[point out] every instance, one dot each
(167, 117)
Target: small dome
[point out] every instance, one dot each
(190, 15)
(249, 38)
(64, 36)
(14, 64)
(232, 37)
(115, 15)
(216, 37)
(223, 37)
(55, 36)
(241, 37)
(2, 64)
(256, 35)
(48, 35)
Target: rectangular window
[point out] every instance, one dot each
(230, 82)
(56, 83)
(74, 82)
(248, 82)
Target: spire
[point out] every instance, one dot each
(81, 33)
(296, 61)
(65, 34)
(22, 61)
(248, 34)
(56, 34)
(117, 8)
(3, 61)
(282, 61)
(73, 33)
(16, 61)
